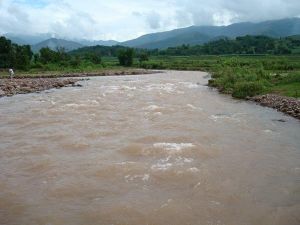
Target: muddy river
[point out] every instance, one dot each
(159, 149)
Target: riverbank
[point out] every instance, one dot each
(28, 83)
(287, 105)
(82, 74)
(10, 87)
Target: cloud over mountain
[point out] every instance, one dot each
(121, 20)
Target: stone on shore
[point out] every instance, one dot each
(9, 87)
(287, 105)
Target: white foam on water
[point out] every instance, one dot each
(173, 146)
(167, 163)
(194, 107)
(183, 160)
(167, 203)
(144, 177)
(191, 106)
(152, 107)
(168, 87)
(125, 163)
(190, 85)
(157, 114)
(128, 87)
(110, 89)
(161, 166)
(197, 185)
(217, 117)
(93, 102)
(130, 95)
(193, 170)
(74, 105)
(268, 131)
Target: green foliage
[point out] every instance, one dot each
(47, 55)
(13, 55)
(239, 76)
(94, 57)
(125, 57)
(75, 61)
(241, 45)
(243, 89)
(143, 56)
(98, 50)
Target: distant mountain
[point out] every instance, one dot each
(54, 44)
(27, 39)
(191, 38)
(203, 34)
(190, 35)
(37, 38)
(95, 43)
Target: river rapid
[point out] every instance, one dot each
(146, 150)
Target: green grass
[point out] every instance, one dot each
(107, 64)
(240, 75)
(291, 90)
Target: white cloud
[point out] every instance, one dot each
(121, 20)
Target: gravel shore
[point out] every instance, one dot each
(287, 105)
(23, 84)
(9, 87)
(85, 74)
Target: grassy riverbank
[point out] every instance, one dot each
(241, 76)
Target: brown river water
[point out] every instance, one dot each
(159, 149)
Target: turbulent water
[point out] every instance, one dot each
(146, 150)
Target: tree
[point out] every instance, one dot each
(75, 61)
(143, 57)
(94, 57)
(47, 55)
(6, 53)
(36, 57)
(13, 55)
(125, 57)
(23, 56)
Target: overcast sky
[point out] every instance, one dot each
(126, 19)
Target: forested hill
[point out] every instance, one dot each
(240, 45)
(202, 34)
(99, 50)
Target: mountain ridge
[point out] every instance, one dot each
(54, 44)
(192, 35)
(272, 28)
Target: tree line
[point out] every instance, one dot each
(21, 57)
(241, 45)
(13, 55)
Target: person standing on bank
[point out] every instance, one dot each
(11, 73)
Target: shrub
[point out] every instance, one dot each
(125, 57)
(243, 89)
